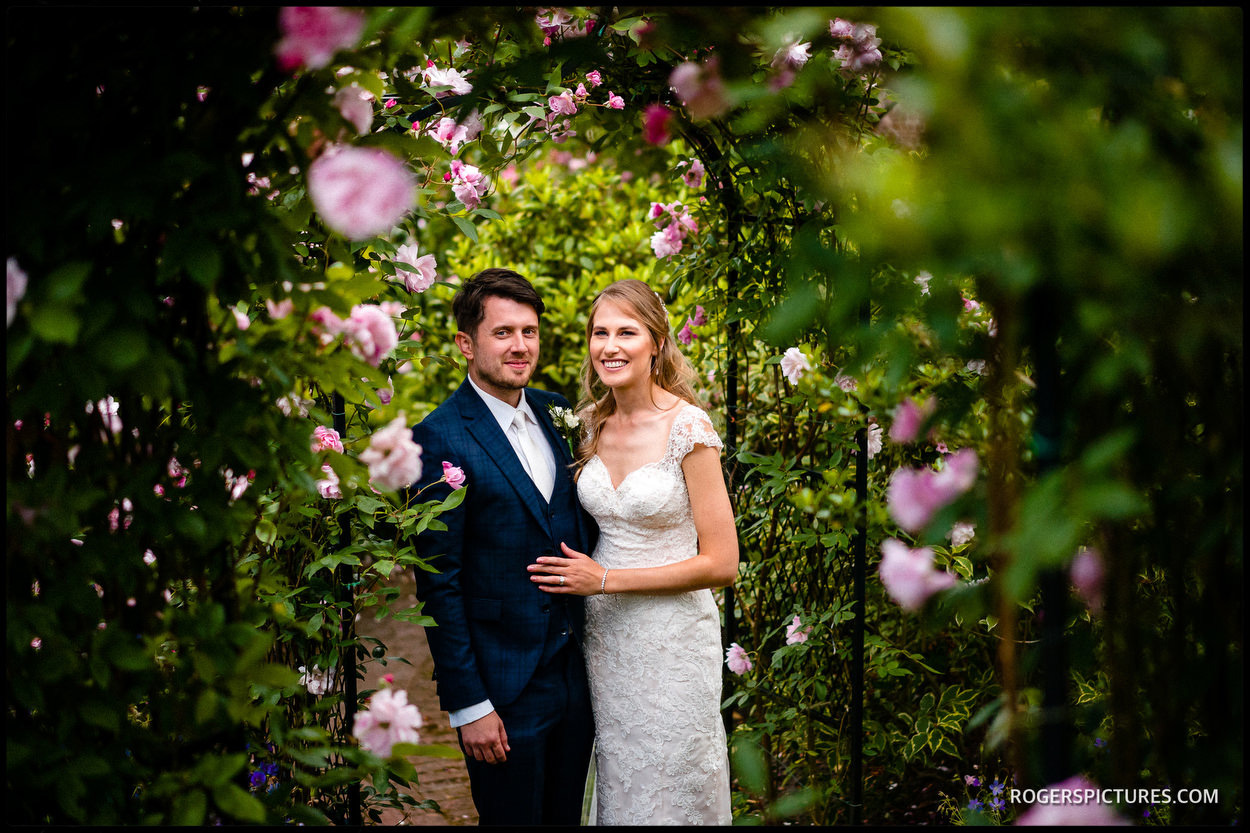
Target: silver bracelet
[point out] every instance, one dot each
(603, 583)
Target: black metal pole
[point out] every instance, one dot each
(1053, 583)
(731, 450)
(858, 568)
(349, 658)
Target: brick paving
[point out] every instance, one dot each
(445, 781)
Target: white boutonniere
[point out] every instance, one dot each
(569, 425)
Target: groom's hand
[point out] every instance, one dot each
(485, 739)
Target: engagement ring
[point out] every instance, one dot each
(561, 581)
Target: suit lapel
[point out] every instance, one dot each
(481, 425)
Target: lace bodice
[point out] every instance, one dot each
(651, 501)
(654, 661)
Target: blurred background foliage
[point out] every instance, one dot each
(1078, 172)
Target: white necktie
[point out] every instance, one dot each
(532, 458)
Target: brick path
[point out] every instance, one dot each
(445, 781)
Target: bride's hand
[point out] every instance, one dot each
(577, 574)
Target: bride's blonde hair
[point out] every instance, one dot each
(670, 369)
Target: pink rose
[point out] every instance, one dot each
(908, 417)
(312, 34)
(668, 241)
(370, 333)
(562, 104)
(655, 124)
(435, 77)
(422, 274)
(961, 533)
(329, 487)
(914, 495)
(355, 104)
(15, 289)
(1087, 575)
(361, 192)
(796, 633)
(840, 28)
(394, 460)
(874, 440)
(700, 89)
(389, 719)
(792, 55)
(693, 177)
(279, 309)
(468, 184)
(1073, 811)
(326, 439)
(737, 660)
(909, 576)
(794, 364)
(615, 102)
(454, 476)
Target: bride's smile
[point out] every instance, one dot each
(621, 348)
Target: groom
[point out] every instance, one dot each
(507, 656)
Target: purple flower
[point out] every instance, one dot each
(909, 576)
(975, 805)
(686, 335)
(699, 318)
(256, 779)
(361, 192)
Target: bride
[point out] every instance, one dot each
(650, 474)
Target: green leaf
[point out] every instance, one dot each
(55, 323)
(64, 283)
(466, 226)
(750, 766)
(266, 532)
(190, 808)
(121, 350)
(428, 750)
(240, 804)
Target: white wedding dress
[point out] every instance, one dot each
(654, 661)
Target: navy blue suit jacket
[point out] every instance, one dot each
(492, 621)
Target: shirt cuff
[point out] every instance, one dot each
(459, 717)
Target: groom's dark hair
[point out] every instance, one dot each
(469, 305)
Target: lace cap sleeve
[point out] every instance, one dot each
(693, 427)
